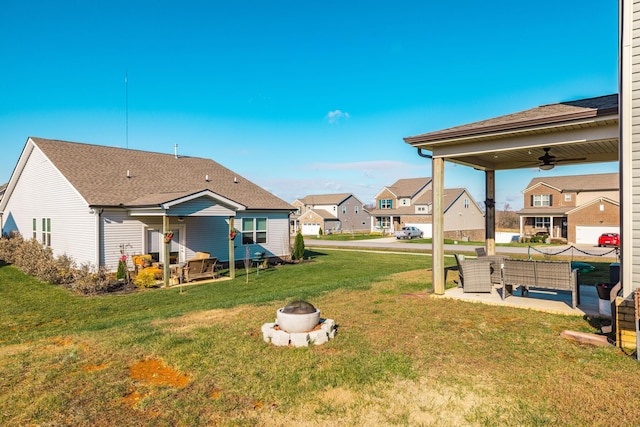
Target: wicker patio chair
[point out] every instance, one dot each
(474, 275)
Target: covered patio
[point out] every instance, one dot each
(576, 132)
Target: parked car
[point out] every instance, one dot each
(609, 239)
(408, 233)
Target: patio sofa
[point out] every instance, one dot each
(552, 275)
(202, 266)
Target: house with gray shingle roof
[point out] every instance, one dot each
(333, 213)
(91, 201)
(408, 202)
(575, 208)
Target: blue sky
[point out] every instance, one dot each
(299, 97)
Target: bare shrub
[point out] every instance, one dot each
(89, 280)
(9, 245)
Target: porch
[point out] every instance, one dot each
(537, 299)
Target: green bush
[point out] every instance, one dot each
(298, 247)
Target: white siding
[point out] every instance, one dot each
(332, 209)
(118, 228)
(42, 192)
(630, 147)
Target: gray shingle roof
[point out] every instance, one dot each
(550, 113)
(408, 187)
(99, 173)
(578, 183)
(325, 199)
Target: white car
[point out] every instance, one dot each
(408, 233)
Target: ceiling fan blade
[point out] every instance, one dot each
(576, 159)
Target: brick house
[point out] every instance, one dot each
(332, 213)
(408, 202)
(575, 208)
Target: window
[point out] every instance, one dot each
(541, 200)
(34, 227)
(344, 210)
(46, 231)
(254, 230)
(543, 222)
(466, 203)
(567, 197)
(386, 204)
(421, 209)
(384, 222)
(356, 209)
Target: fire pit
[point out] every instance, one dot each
(298, 316)
(298, 323)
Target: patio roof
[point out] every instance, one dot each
(583, 131)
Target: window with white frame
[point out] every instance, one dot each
(466, 203)
(542, 222)
(384, 222)
(541, 200)
(344, 210)
(567, 197)
(356, 209)
(254, 230)
(46, 231)
(34, 227)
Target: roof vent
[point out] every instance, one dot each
(235, 180)
(206, 178)
(128, 174)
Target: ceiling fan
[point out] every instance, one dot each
(548, 161)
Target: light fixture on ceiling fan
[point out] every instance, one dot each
(548, 161)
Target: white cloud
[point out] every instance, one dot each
(336, 115)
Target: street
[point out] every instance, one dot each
(391, 243)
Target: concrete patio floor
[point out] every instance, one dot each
(538, 299)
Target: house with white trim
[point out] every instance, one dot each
(574, 208)
(91, 202)
(333, 213)
(408, 202)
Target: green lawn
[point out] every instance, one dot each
(166, 358)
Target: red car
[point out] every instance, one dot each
(609, 239)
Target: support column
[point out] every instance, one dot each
(232, 251)
(490, 214)
(438, 226)
(167, 248)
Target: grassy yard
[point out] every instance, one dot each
(164, 358)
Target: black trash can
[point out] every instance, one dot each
(604, 290)
(614, 272)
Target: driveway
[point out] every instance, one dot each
(391, 243)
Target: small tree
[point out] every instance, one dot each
(298, 247)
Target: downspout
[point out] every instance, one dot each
(421, 154)
(98, 240)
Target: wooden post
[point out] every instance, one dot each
(438, 226)
(167, 248)
(232, 251)
(490, 214)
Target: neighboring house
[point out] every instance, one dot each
(330, 212)
(90, 202)
(408, 202)
(576, 208)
